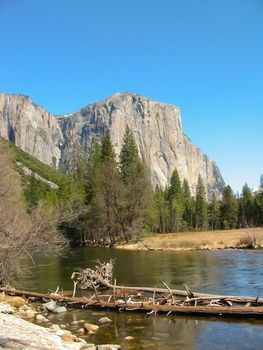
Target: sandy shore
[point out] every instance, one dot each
(209, 240)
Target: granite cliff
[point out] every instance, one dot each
(157, 128)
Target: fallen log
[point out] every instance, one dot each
(183, 293)
(83, 302)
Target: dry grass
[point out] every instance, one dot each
(221, 239)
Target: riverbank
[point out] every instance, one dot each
(205, 240)
(19, 329)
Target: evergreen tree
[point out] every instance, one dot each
(258, 203)
(189, 205)
(200, 206)
(129, 155)
(246, 205)
(107, 187)
(176, 204)
(107, 150)
(162, 209)
(93, 162)
(136, 196)
(214, 213)
(229, 209)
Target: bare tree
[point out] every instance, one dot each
(22, 233)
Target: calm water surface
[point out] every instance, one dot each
(227, 272)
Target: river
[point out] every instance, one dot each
(226, 272)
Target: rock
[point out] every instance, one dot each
(6, 309)
(129, 338)
(81, 331)
(60, 309)
(64, 326)
(54, 328)
(50, 306)
(108, 347)
(16, 333)
(25, 308)
(68, 337)
(91, 347)
(104, 320)
(14, 301)
(28, 314)
(41, 318)
(157, 129)
(90, 327)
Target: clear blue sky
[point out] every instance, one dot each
(204, 56)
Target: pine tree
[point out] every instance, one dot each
(246, 204)
(214, 213)
(93, 162)
(162, 209)
(229, 209)
(189, 205)
(129, 155)
(258, 203)
(176, 205)
(200, 206)
(107, 150)
(136, 196)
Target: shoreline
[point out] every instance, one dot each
(237, 239)
(24, 325)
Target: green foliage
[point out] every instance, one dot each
(107, 150)
(189, 206)
(176, 203)
(214, 213)
(246, 207)
(128, 156)
(200, 206)
(36, 166)
(229, 209)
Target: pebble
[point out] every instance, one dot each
(50, 306)
(54, 328)
(60, 309)
(41, 318)
(81, 331)
(103, 320)
(6, 309)
(108, 347)
(129, 338)
(90, 327)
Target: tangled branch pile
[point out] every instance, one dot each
(88, 278)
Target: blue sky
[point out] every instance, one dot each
(204, 56)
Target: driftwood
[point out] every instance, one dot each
(182, 293)
(88, 278)
(146, 306)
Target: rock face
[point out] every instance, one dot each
(31, 128)
(156, 126)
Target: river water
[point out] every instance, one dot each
(220, 272)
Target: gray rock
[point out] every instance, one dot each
(16, 333)
(60, 309)
(157, 129)
(41, 318)
(50, 306)
(103, 320)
